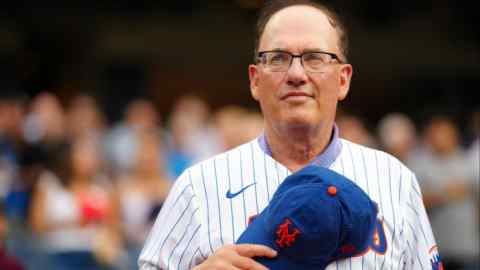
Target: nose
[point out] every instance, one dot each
(296, 75)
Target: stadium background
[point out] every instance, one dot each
(402, 51)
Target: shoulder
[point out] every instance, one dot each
(373, 158)
(354, 149)
(223, 160)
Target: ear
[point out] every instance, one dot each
(253, 75)
(346, 71)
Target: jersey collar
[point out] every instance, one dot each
(324, 159)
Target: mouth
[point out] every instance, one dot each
(296, 95)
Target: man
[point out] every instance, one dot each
(300, 73)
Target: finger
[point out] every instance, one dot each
(210, 266)
(252, 250)
(245, 263)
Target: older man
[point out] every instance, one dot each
(299, 75)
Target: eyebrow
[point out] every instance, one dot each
(308, 50)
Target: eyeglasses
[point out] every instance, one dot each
(280, 61)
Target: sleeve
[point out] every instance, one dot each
(421, 248)
(173, 242)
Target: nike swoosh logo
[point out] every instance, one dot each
(233, 195)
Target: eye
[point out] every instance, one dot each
(278, 58)
(315, 59)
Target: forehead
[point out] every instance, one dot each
(297, 28)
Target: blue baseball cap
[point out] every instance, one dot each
(316, 216)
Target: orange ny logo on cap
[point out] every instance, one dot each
(284, 237)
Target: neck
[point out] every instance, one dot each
(296, 147)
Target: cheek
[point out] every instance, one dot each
(326, 86)
(268, 88)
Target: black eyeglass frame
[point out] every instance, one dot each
(332, 55)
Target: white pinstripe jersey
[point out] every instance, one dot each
(198, 218)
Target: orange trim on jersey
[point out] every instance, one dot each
(432, 249)
(376, 236)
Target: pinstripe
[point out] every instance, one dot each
(400, 187)
(183, 191)
(365, 169)
(353, 164)
(218, 199)
(266, 177)
(403, 217)
(231, 203)
(379, 194)
(355, 177)
(400, 259)
(207, 210)
(418, 221)
(393, 211)
(418, 215)
(416, 240)
(254, 176)
(201, 254)
(188, 245)
(378, 182)
(181, 239)
(343, 172)
(243, 194)
(412, 231)
(355, 180)
(393, 208)
(414, 187)
(193, 256)
(403, 226)
(411, 252)
(368, 190)
(150, 234)
(157, 251)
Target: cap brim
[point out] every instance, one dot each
(256, 234)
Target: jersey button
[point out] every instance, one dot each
(332, 190)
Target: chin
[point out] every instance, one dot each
(299, 119)
(300, 114)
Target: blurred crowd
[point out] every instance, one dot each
(77, 192)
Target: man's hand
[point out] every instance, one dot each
(237, 257)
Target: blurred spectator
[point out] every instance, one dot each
(474, 149)
(190, 137)
(228, 123)
(142, 192)
(84, 118)
(6, 262)
(75, 213)
(252, 126)
(45, 123)
(236, 125)
(443, 172)
(31, 163)
(12, 110)
(353, 129)
(397, 135)
(122, 140)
